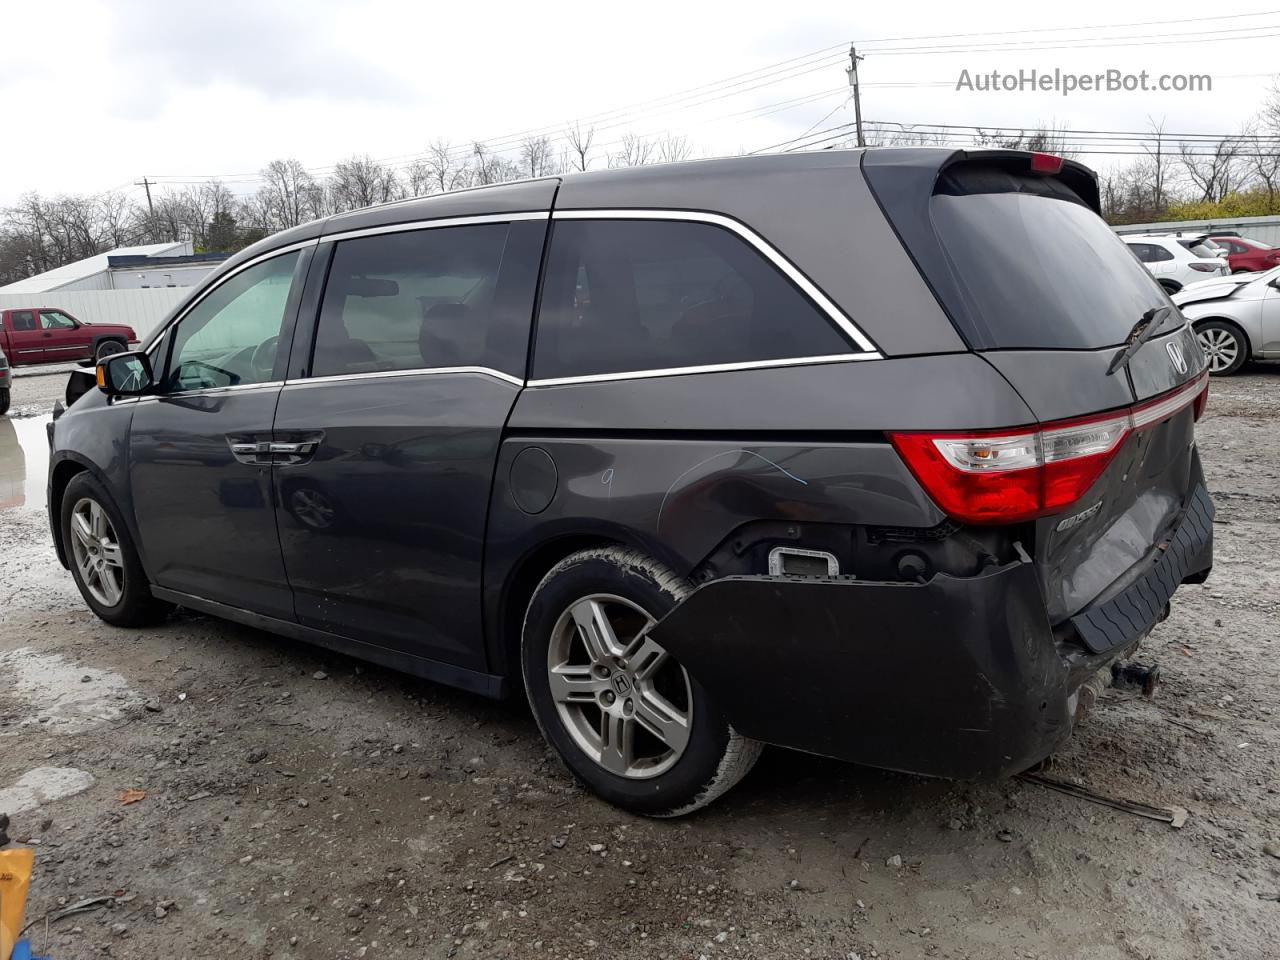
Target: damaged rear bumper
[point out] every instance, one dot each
(959, 677)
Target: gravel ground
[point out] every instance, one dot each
(234, 794)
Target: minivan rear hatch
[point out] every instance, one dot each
(1038, 285)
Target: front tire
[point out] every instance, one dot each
(625, 717)
(1224, 345)
(108, 348)
(104, 561)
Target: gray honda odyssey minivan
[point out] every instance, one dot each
(835, 451)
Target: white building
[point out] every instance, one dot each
(137, 286)
(125, 268)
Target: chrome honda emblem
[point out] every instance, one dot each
(1174, 349)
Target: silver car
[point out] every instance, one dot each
(1237, 318)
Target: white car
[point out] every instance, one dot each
(1236, 318)
(1176, 260)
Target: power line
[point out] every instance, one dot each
(1095, 26)
(1094, 43)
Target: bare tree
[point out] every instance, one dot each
(635, 151)
(448, 172)
(1159, 167)
(361, 182)
(1212, 174)
(580, 145)
(672, 148)
(118, 218)
(283, 193)
(489, 167)
(419, 179)
(536, 158)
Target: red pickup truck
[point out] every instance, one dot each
(48, 335)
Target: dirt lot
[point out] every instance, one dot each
(303, 805)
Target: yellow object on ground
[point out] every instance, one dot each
(15, 878)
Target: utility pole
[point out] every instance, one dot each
(151, 211)
(852, 71)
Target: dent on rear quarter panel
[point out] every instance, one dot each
(673, 465)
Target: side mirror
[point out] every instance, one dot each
(125, 374)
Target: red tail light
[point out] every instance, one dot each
(1204, 267)
(1046, 163)
(1005, 476)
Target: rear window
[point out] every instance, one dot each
(1027, 265)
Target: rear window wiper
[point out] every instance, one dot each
(1142, 331)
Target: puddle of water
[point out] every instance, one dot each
(24, 462)
(43, 785)
(61, 696)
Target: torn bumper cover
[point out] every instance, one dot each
(959, 677)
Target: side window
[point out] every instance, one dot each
(413, 300)
(55, 320)
(627, 295)
(1159, 253)
(23, 320)
(230, 337)
(1142, 251)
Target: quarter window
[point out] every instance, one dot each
(230, 337)
(415, 300)
(629, 295)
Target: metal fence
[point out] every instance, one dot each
(141, 309)
(1266, 229)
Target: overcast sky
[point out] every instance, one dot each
(94, 95)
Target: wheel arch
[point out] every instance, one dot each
(505, 614)
(60, 476)
(114, 337)
(1231, 322)
(1170, 286)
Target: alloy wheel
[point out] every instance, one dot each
(97, 552)
(1220, 348)
(623, 699)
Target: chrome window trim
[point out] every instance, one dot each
(201, 392)
(416, 371)
(706, 368)
(436, 223)
(231, 388)
(759, 243)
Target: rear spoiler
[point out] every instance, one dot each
(917, 170)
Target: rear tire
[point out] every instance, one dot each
(108, 348)
(625, 717)
(4, 402)
(1224, 346)
(1170, 286)
(103, 559)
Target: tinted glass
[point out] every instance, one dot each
(624, 295)
(1142, 251)
(230, 337)
(1160, 254)
(23, 320)
(413, 300)
(1037, 271)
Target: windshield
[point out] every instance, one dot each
(1034, 271)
